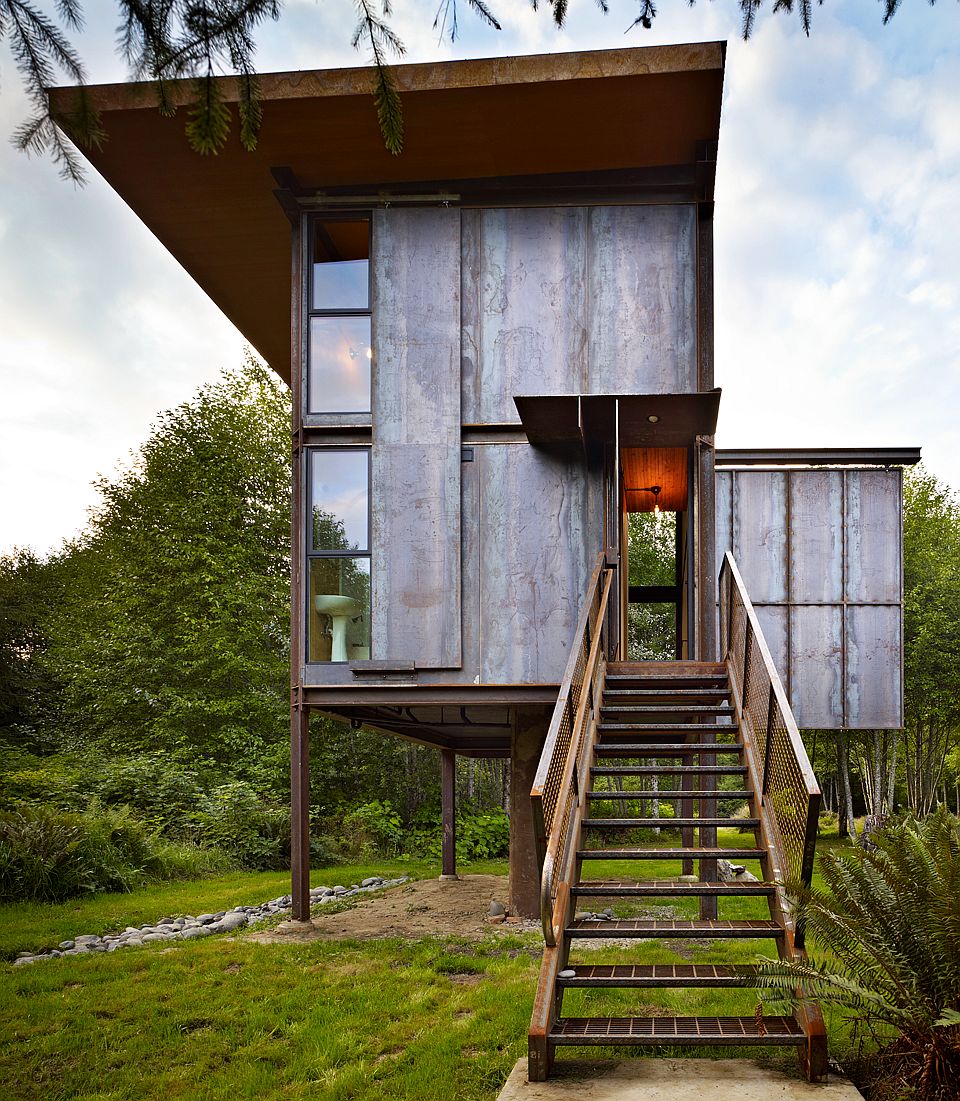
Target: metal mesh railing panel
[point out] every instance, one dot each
(789, 791)
(787, 794)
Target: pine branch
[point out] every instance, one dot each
(382, 40)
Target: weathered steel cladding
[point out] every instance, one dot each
(541, 525)
(416, 441)
(592, 300)
(642, 311)
(820, 551)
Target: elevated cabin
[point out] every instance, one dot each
(500, 344)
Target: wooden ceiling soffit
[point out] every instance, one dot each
(665, 467)
(493, 119)
(571, 421)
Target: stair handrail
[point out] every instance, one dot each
(786, 785)
(555, 794)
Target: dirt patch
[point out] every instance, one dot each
(427, 907)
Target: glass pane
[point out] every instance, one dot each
(339, 490)
(340, 354)
(338, 615)
(341, 264)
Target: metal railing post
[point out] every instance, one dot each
(771, 705)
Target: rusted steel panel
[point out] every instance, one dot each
(816, 536)
(816, 665)
(873, 688)
(470, 282)
(775, 624)
(416, 437)
(724, 507)
(540, 534)
(532, 336)
(470, 561)
(760, 533)
(642, 316)
(873, 536)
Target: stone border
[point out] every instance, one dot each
(204, 925)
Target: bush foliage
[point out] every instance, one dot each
(51, 855)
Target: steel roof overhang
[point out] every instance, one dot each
(633, 420)
(550, 116)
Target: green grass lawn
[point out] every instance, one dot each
(231, 1018)
(32, 926)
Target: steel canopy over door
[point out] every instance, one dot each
(820, 552)
(416, 437)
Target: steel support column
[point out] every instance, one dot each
(300, 812)
(448, 795)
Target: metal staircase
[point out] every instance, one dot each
(720, 735)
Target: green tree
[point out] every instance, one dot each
(172, 631)
(30, 588)
(651, 628)
(931, 630)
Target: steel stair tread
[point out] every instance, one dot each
(654, 749)
(656, 975)
(669, 728)
(663, 770)
(705, 1031)
(657, 928)
(673, 795)
(664, 708)
(638, 888)
(666, 823)
(685, 853)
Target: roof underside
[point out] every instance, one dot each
(559, 115)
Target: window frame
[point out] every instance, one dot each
(307, 540)
(328, 416)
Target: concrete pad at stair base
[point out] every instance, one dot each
(673, 1080)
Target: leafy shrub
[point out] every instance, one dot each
(372, 829)
(235, 819)
(157, 789)
(50, 855)
(483, 836)
(886, 943)
(479, 837)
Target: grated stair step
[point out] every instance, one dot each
(676, 1031)
(661, 888)
(664, 708)
(657, 928)
(666, 728)
(672, 854)
(666, 823)
(667, 796)
(656, 975)
(668, 770)
(653, 749)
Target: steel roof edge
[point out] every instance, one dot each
(817, 456)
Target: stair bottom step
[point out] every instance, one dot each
(655, 975)
(676, 1031)
(650, 929)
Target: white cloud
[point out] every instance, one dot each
(837, 233)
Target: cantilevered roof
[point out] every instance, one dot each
(480, 124)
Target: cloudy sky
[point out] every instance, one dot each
(837, 244)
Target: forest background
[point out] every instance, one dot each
(144, 679)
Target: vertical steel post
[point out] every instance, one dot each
(300, 809)
(448, 797)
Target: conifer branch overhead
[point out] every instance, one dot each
(167, 40)
(375, 32)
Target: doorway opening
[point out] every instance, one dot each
(654, 548)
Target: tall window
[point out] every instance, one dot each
(338, 555)
(340, 347)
